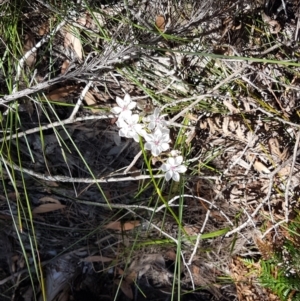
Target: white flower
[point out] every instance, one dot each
(158, 141)
(124, 106)
(173, 167)
(129, 126)
(155, 120)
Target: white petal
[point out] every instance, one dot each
(165, 167)
(156, 112)
(142, 132)
(178, 160)
(122, 132)
(181, 168)
(138, 126)
(125, 114)
(127, 99)
(131, 105)
(163, 130)
(165, 138)
(148, 137)
(135, 118)
(151, 125)
(176, 177)
(164, 146)
(121, 123)
(130, 133)
(148, 145)
(168, 175)
(136, 137)
(120, 102)
(155, 151)
(157, 132)
(116, 110)
(171, 161)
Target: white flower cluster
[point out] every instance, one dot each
(153, 129)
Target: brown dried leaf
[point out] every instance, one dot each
(274, 146)
(64, 67)
(198, 277)
(274, 25)
(44, 28)
(61, 93)
(97, 258)
(92, 21)
(240, 132)
(160, 22)
(192, 117)
(275, 149)
(47, 208)
(225, 126)
(260, 167)
(231, 108)
(47, 199)
(191, 230)
(29, 43)
(131, 277)
(72, 41)
(125, 287)
(117, 225)
(90, 100)
(52, 184)
(171, 255)
(131, 225)
(142, 265)
(212, 126)
(190, 136)
(285, 171)
(119, 271)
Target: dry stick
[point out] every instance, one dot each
(34, 50)
(228, 79)
(242, 153)
(80, 99)
(55, 124)
(259, 73)
(199, 236)
(277, 118)
(43, 85)
(286, 195)
(201, 199)
(244, 225)
(128, 207)
(175, 102)
(66, 179)
(61, 78)
(271, 177)
(211, 205)
(34, 89)
(188, 269)
(273, 227)
(206, 219)
(136, 157)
